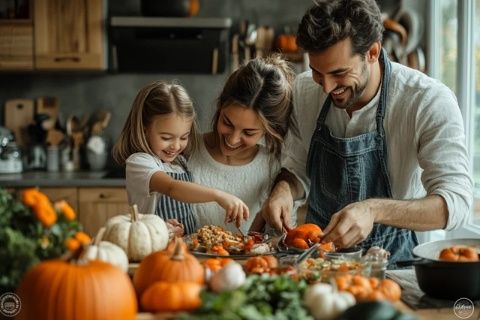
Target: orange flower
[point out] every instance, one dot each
(41, 206)
(65, 209)
(72, 244)
(30, 196)
(83, 237)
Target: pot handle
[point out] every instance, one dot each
(411, 262)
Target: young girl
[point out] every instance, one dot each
(158, 130)
(241, 153)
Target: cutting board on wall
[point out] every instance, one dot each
(18, 115)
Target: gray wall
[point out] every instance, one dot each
(80, 93)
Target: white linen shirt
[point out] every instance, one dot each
(139, 170)
(424, 136)
(250, 182)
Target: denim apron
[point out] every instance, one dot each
(169, 208)
(346, 170)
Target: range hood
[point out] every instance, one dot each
(169, 45)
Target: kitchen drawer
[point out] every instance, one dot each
(97, 205)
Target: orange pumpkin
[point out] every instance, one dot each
(302, 236)
(58, 289)
(287, 43)
(459, 254)
(261, 264)
(369, 289)
(215, 264)
(171, 296)
(169, 266)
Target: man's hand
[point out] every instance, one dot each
(350, 225)
(277, 209)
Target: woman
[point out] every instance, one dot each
(241, 155)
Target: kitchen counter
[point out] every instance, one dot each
(61, 179)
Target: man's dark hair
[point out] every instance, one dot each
(331, 21)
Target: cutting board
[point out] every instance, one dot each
(18, 115)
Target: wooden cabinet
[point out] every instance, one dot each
(94, 206)
(97, 205)
(69, 35)
(16, 44)
(56, 35)
(67, 194)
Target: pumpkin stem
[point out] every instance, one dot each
(99, 236)
(134, 213)
(76, 256)
(178, 250)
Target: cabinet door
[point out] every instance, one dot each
(97, 205)
(16, 44)
(69, 35)
(67, 194)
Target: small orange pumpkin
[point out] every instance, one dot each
(215, 264)
(287, 43)
(261, 264)
(368, 289)
(169, 266)
(76, 289)
(459, 254)
(301, 237)
(171, 296)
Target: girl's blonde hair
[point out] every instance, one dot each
(265, 86)
(157, 98)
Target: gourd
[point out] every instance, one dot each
(107, 252)
(171, 296)
(168, 266)
(76, 288)
(137, 234)
(306, 234)
(459, 254)
(261, 264)
(230, 277)
(324, 303)
(368, 289)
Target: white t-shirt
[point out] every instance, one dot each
(424, 135)
(139, 170)
(250, 182)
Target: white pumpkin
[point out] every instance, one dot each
(137, 234)
(324, 303)
(230, 277)
(106, 251)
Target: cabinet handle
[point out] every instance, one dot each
(62, 59)
(103, 196)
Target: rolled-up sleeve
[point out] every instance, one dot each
(443, 155)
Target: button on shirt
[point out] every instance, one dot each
(424, 135)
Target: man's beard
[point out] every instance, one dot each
(356, 91)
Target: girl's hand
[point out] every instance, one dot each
(235, 209)
(175, 228)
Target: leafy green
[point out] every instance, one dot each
(25, 241)
(262, 297)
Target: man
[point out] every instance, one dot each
(380, 150)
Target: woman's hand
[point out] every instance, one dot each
(235, 209)
(277, 209)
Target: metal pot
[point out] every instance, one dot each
(443, 279)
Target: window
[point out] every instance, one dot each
(454, 58)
